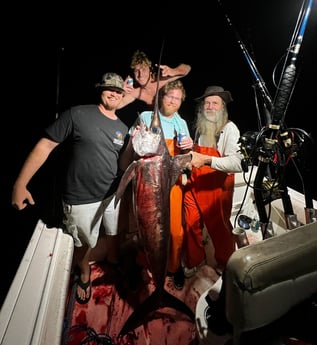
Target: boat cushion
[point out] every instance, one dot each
(266, 279)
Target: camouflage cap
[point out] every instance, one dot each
(111, 81)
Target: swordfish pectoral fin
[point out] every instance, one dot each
(181, 164)
(125, 179)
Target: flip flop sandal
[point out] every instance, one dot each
(84, 286)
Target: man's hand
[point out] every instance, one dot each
(186, 143)
(128, 88)
(21, 197)
(199, 159)
(166, 71)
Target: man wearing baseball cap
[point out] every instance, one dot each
(96, 137)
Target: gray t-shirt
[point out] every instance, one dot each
(95, 142)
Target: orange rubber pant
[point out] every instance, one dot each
(176, 227)
(176, 217)
(208, 201)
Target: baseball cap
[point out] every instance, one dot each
(111, 80)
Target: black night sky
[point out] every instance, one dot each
(52, 56)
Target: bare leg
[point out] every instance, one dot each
(82, 258)
(112, 249)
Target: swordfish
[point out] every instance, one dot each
(153, 176)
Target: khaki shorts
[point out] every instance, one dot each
(83, 221)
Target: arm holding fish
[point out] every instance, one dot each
(228, 164)
(199, 159)
(229, 149)
(229, 161)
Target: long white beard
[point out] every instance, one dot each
(213, 116)
(209, 137)
(208, 126)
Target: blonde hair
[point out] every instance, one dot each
(171, 85)
(140, 58)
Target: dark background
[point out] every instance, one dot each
(53, 56)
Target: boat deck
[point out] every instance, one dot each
(41, 303)
(111, 303)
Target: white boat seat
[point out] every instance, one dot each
(266, 279)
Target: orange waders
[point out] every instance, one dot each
(208, 200)
(176, 218)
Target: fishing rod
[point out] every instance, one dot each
(277, 144)
(287, 79)
(271, 148)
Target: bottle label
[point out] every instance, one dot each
(180, 137)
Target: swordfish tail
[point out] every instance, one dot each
(160, 298)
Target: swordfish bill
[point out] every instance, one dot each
(152, 177)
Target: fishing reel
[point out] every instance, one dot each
(249, 149)
(258, 146)
(276, 150)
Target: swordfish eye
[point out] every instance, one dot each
(156, 130)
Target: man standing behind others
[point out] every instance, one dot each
(145, 79)
(208, 195)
